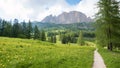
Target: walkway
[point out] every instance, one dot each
(98, 61)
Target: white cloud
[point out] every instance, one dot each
(13, 9)
(38, 9)
(88, 7)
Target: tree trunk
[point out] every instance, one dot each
(110, 46)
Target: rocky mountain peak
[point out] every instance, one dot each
(68, 18)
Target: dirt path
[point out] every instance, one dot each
(98, 61)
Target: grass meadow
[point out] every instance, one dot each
(111, 58)
(24, 53)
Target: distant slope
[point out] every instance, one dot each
(72, 26)
(68, 18)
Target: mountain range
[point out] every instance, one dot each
(67, 18)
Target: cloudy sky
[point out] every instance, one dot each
(36, 10)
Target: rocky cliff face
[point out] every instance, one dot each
(67, 18)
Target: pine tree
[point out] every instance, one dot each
(24, 29)
(8, 29)
(115, 23)
(0, 26)
(80, 39)
(107, 23)
(36, 33)
(3, 28)
(65, 39)
(51, 39)
(54, 39)
(43, 36)
(29, 30)
(14, 28)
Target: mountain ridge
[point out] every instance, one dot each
(67, 18)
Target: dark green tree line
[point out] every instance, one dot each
(68, 38)
(20, 30)
(52, 39)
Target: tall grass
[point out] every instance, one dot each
(24, 53)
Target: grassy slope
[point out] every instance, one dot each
(111, 59)
(23, 53)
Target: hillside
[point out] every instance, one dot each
(72, 26)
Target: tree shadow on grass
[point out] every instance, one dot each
(23, 65)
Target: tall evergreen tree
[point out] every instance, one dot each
(36, 33)
(108, 21)
(24, 29)
(0, 26)
(8, 29)
(116, 23)
(80, 39)
(3, 27)
(29, 30)
(43, 36)
(54, 39)
(65, 39)
(16, 29)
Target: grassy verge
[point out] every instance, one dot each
(111, 59)
(23, 53)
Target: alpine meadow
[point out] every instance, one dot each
(59, 34)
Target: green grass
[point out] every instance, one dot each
(111, 58)
(24, 53)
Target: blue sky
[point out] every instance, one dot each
(73, 2)
(36, 10)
